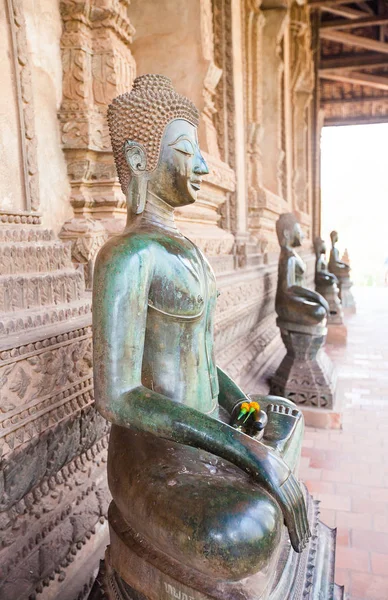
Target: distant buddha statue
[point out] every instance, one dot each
(294, 302)
(336, 266)
(198, 505)
(342, 271)
(326, 283)
(305, 375)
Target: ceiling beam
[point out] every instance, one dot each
(366, 7)
(346, 24)
(337, 7)
(328, 3)
(354, 40)
(373, 81)
(366, 60)
(354, 99)
(344, 11)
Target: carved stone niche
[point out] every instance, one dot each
(97, 66)
(267, 113)
(302, 87)
(176, 39)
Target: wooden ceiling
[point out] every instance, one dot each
(353, 67)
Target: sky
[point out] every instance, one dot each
(354, 189)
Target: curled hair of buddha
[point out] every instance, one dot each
(286, 222)
(142, 115)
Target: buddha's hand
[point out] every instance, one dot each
(282, 484)
(290, 497)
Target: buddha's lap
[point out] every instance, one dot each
(301, 311)
(197, 508)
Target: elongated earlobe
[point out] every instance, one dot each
(137, 194)
(136, 158)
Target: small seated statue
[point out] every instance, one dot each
(326, 284)
(342, 271)
(198, 506)
(305, 374)
(294, 302)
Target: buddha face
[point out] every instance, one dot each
(178, 176)
(297, 236)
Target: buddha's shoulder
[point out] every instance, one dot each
(131, 244)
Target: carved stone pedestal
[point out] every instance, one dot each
(306, 375)
(337, 334)
(336, 329)
(331, 294)
(347, 298)
(298, 576)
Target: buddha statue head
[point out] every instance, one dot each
(334, 237)
(155, 144)
(319, 246)
(288, 230)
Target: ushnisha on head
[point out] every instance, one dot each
(319, 246)
(155, 145)
(289, 231)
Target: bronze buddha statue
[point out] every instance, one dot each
(193, 497)
(336, 266)
(326, 283)
(342, 271)
(305, 375)
(294, 302)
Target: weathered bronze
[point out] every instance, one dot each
(198, 506)
(326, 284)
(306, 374)
(181, 478)
(294, 302)
(342, 271)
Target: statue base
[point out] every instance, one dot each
(337, 334)
(331, 295)
(347, 298)
(130, 572)
(306, 375)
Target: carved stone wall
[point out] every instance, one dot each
(177, 39)
(97, 66)
(53, 493)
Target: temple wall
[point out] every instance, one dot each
(43, 33)
(248, 66)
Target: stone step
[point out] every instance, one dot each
(25, 233)
(23, 292)
(34, 257)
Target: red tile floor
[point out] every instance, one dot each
(348, 470)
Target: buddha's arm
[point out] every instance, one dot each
(342, 265)
(325, 277)
(337, 263)
(309, 295)
(120, 297)
(230, 393)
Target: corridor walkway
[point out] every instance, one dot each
(348, 470)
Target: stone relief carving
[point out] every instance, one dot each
(97, 65)
(302, 86)
(224, 99)
(40, 522)
(25, 102)
(46, 417)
